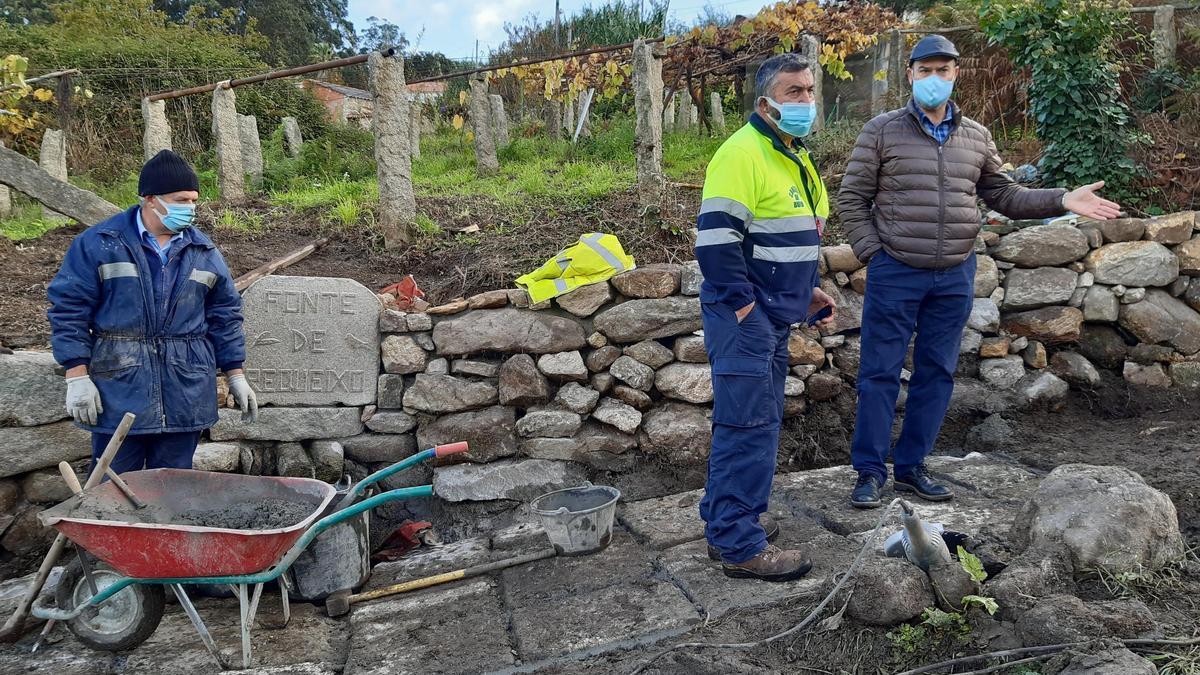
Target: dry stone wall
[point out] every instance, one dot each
(613, 377)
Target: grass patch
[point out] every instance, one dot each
(428, 226)
(345, 212)
(306, 194)
(28, 222)
(240, 221)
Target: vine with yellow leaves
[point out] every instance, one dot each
(711, 54)
(19, 101)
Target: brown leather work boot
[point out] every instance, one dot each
(773, 564)
(769, 525)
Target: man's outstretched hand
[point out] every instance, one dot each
(1085, 202)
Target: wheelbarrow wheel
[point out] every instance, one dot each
(124, 621)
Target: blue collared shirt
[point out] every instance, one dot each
(940, 132)
(151, 241)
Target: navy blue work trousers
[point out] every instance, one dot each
(749, 363)
(149, 451)
(901, 300)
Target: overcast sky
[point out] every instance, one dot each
(453, 26)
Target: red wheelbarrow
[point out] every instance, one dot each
(144, 550)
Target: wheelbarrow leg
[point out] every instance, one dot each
(205, 637)
(249, 607)
(273, 623)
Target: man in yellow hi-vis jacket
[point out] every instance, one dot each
(758, 241)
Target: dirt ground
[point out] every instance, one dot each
(511, 241)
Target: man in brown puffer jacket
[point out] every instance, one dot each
(908, 205)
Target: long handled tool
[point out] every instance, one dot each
(72, 482)
(339, 603)
(11, 632)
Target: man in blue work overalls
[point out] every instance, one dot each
(142, 314)
(758, 240)
(908, 206)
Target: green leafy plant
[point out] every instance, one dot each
(970, 562)
(935, 626)
(1070, 47)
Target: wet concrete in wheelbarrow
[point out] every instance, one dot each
(597, 613)
(268, 513)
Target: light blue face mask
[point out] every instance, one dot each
(795, 119)
(931, 91)
(178, 217)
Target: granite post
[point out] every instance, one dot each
(252, 156)
(156, 135)
(231, 173)
(293, 140)
(390, 120)
(481, 121)
(499, 120)
(648, 105)
(716, 112)
(53, 159)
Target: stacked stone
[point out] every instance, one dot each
(1053, 301)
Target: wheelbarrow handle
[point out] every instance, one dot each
(423, 456)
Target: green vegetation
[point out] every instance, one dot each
(27, 222)
(1071, 48)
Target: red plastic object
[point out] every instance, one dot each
(404, 539)
(450, 449)
(406, 292)
(144, 544)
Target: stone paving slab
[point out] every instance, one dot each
(175, 647)
(587, 623)
(548, 581)
(459, 628)
(666, 521)
(717, 594)
(987, 474)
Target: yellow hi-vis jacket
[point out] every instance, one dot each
(594, 259)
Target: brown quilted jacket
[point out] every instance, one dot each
(904, 193)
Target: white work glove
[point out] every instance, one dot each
(83, 400)
(241, 392)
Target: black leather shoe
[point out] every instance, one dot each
(919, 482)
(866, 492)
(769, 524)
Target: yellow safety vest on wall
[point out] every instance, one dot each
(594, 259)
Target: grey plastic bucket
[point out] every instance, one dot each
(578, 520)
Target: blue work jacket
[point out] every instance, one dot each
(158, 360)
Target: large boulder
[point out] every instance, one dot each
(1042, 245)
(841, 258)
(678, 432)
(440, 394)
(1033, 288)
(507, 330)
(1002, 373)
(651, 281)
(1108, 662)
(391, 422)
(521, 383)
(1049, 325)
(33, 392)
(288, 424)
(510, 479)
(378, 448)
(1133, 264)
(491, 433)
(638, 320)
(651, 353)
(1032, 575)
(1105, 516)
(1160, 318)
(686, 382)
(216, 457)
(889, 591)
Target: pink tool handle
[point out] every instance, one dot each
(450, 449)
